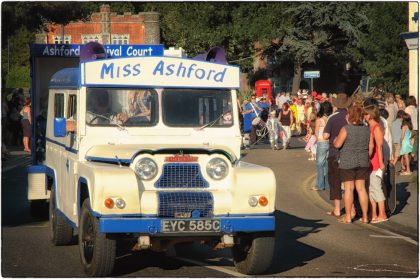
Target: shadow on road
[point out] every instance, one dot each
(15, 208)
(128, 261)
(402, 196)
(289, 251)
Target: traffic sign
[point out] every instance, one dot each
(311, 74)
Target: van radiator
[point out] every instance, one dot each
(178, 204)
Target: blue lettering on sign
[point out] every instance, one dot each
(191, 72)
(73, 50)
(109, 71)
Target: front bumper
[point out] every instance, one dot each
(152, 226)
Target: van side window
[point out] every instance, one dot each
(59, 105)
(72, 109)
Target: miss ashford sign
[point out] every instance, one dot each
(159, 72)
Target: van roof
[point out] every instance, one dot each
(66, 78)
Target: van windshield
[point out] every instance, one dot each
(120, 106)
(197, 108)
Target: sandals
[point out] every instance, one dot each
(364, 222)
(379, 220)
(405, 173)
(332, 213)
(343, 220)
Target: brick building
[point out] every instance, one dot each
(107, 28)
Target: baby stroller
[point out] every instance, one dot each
(261, 129)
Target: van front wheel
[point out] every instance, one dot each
(254, 253)
(97, 250)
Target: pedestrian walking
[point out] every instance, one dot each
(377, 167)
(26, 124)
(335, 122)
(391, 107)
(300, 119)
(286, 119)
(406, 142)
(400, 102)
(274, 128)
(354, 141)
(311, 142)
(322, 147)
(411, 109)
(396, 138)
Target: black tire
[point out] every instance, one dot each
(254, 254)
(61, 232)
(97, 250)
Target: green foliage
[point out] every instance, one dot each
(122, 7)
(294, 33)
(245, 95)
(18, 77)
(16, 50)
(327, 28)
(383, 53)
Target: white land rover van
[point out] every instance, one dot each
(148, 148)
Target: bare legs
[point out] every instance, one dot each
(406, 159)
(349, 198)
(363, 199)
(381, 214)
(26, 144)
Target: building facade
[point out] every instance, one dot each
(106, 27)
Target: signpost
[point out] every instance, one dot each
(311, 75)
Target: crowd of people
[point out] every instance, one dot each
(354, 141)
(15, 122)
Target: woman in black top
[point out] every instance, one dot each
(286, 120)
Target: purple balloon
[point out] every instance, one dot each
(92, 51)
(215, 54)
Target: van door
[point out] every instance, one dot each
(70, 159)
(55, 146)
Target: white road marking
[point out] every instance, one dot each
(396, 236)
(217, 268)
(385, 267)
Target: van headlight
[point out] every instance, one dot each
(146, 168)
(217, 168)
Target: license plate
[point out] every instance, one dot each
(190, 225)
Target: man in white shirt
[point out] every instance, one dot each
(281, 100)
(391, 107)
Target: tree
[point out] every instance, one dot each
(383, 53)
(23, 20)
(321, 28)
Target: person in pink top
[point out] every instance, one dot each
(376, 194)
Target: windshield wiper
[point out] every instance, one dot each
(106, 118)
(210, 124)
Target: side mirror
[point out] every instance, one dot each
(59, 127)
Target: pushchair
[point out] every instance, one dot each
(261, 129)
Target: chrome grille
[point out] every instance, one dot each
(181, 176)
(197, 204)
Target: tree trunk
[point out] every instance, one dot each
(297, 73)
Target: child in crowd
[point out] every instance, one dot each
(396, 136)
(406, 142)
(274, 128)
(311, 141)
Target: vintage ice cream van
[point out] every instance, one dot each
(148, 149)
